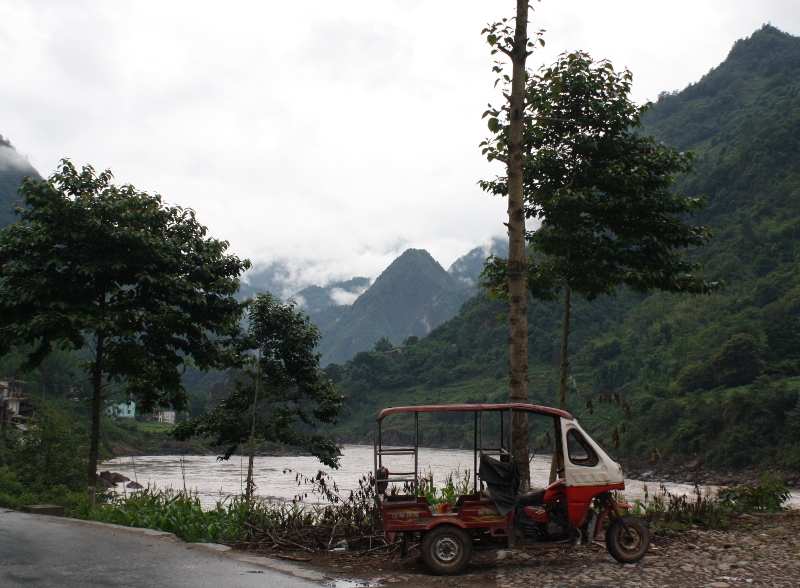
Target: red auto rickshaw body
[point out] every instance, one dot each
(570, 510)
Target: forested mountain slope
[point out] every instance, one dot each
(409, 299)
(396, 306)
(715, 376)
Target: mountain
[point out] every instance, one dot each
(13, 167)
(716, 377)
(411, 297)
(396, 306)
(467, 268)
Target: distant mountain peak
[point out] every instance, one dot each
(13, 168)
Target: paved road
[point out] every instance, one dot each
(38, 550)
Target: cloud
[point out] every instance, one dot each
(344, 297)
(322, 137)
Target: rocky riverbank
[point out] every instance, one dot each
(696, 472)
(757, 550)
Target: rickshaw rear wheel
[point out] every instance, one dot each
(446, 550)
(628, 547)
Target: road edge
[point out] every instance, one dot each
(218, 548)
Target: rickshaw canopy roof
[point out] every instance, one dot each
(532, 408)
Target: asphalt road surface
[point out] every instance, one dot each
(38, 550)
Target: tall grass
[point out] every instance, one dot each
(344, 518)
(172, 511)
(665, 510)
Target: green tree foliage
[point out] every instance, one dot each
(116, 272)
(738, 362)
(783, 339)
(282, 397)
(51, 454)
(602, 193)
(383, 344)
(46, 464)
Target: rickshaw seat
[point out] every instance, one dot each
(532, 498)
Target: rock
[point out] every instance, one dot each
(44, 509)
(113, 478)
(134, 486)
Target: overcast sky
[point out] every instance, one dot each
(333, 135)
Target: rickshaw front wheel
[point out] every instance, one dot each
(628, 545)
(446, 549)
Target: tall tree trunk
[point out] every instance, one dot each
(517, 268)
(562, 378)
(248, 493)
(94, 437)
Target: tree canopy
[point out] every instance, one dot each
(116, 271)
(601, 191)
(283, 395)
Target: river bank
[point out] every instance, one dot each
(693, 472)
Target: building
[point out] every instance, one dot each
(121, 410)
(14, 410)
(160, 416)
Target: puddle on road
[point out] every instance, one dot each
(375, 582)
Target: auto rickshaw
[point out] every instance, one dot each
(576, 509)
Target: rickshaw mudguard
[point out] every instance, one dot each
(579, 499)
(555, 491)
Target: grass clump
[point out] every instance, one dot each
(172, 511)
(455, 484)
(666, 510)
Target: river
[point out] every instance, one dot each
(215, 480)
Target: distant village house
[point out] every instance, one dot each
(127, 410)
(160, 416)
(121, 410)
(14, 410)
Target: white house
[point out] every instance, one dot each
(13, 407)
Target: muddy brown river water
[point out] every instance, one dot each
(215, 480)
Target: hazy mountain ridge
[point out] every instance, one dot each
(313, 299)
(13, 168)
(391, 307)
(411, 297)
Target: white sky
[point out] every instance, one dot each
(333, 135)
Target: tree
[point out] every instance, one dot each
(282, 397)
(601, 191)
(115, 271)
(383, 344)
(738, 361)
(517, 47)
(50, 454)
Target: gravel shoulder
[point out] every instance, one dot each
(757, 550)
